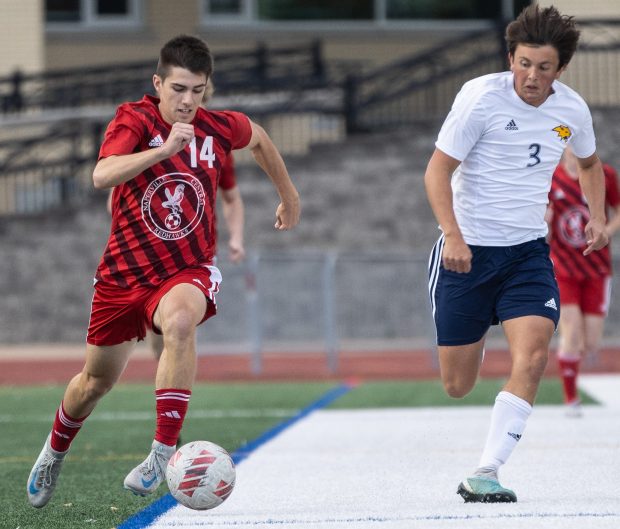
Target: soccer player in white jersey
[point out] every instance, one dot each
(488, 182)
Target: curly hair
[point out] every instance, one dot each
(539, 27)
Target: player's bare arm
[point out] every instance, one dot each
(613, 224)
(233, 209)
(114, 170)
(269, 159)
(592, 181)
(456, 253)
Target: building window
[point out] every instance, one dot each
(227, 11)
(357, 10)
(225, 7)
(62, 10)
(317, 10)
(452, 9)
(88, 13)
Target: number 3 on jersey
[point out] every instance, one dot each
(534, 152)
(206, 152)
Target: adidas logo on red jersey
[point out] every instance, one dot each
(157, 141)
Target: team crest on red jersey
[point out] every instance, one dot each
(173, 205)
(571, 225)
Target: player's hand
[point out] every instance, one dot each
(287, 214)
(596, 236)
(180, 136)
(236, 251)
(456, 255)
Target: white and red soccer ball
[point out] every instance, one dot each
(200, 475)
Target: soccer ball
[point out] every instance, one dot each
(200, 475)
(172, 221)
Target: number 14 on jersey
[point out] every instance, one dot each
(206, 152)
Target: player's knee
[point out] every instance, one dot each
(535, 365)
(180, 325)
(457, 388)
(93, 388)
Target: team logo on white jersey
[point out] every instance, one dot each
(173, 205)
(511, 125)
(157, 141)
(564, 133)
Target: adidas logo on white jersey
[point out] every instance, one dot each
(511, 125)
(551, 304)
(157, 141)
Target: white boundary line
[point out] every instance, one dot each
(399, 468)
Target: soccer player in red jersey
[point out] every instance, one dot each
(232, 209)
(584, 280)
(163, 155)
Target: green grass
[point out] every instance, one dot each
(90, 490)
(395, 394)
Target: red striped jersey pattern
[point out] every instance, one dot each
(570, 216)
(163, 220)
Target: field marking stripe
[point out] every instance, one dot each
(145, 517)
(133, 416)
(290, 522)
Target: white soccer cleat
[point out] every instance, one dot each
(44, 475)
(147, 476)
(573, 409)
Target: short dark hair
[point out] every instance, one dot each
(187, 52)
(540, 27)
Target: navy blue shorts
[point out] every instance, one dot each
(505, 282)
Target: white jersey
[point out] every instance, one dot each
(508, 152)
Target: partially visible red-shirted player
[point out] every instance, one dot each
(584, 281)
(164, 157)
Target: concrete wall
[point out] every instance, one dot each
(21, 36)
(363, 198)
(164, 19)
(586, 10)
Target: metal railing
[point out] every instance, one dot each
(422, 86)
(293, 92)
(258, 70)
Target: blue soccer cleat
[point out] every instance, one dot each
(484, 490)
(148, 475)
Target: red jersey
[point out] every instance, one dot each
(227, 173)
(570, 216)
(163, 220)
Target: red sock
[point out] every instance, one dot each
(569, 369)
(171, 405)
(65, 429)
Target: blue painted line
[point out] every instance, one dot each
(342, 522)
(145, 517)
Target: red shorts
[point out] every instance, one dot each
(121, 314)
(591, 295)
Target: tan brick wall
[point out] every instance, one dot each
(21, 36)
(586, 9)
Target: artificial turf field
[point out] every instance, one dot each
(118, 434)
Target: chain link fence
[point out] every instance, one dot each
(330, 302)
